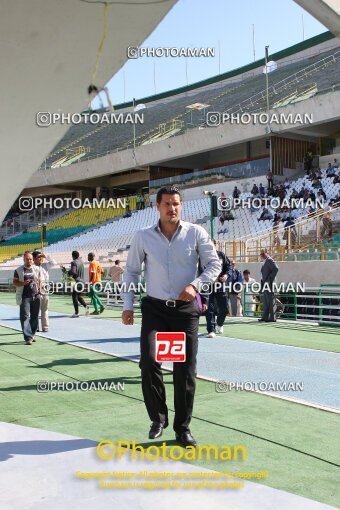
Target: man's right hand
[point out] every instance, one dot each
(127, 317)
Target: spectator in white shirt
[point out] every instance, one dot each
(248, 298)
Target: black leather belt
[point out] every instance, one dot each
(171, 303)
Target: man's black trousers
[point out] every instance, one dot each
(156, 316)
(77, 298)
(268, 306)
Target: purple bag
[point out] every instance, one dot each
(199, 301)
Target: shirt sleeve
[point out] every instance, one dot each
(91, 270)
(50, 262)
(226, 267)
(208, 257)
(73, 269)
(16, 274)
(274, 269)
(132, 271)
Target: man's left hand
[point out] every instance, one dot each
(187, 294)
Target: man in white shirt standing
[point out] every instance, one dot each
(43, 285)
(170, 251)
(248, 297)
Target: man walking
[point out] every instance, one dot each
(76, 273)
(95, 276)
(27, 297)
(170, 251)
(269, 271)
(219, 297)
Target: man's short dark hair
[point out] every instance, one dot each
(246, 271)
(117, 262)
(36, 253)
(167, 190)
(75, 254)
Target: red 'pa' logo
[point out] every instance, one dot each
(170, 346)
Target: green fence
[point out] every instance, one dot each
(317, 304)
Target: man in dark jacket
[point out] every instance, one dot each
(76, 273)
(269, 271)
(218, 297)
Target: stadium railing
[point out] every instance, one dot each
(277, 88)
(317, 304)
(247, 248)
(30, 220)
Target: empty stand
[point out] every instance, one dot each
(315, 73)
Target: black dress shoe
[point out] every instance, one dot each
(271, 320)
(156, 429)
(261, 320)
(186, 439)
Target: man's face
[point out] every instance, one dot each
(38, 260)
(170, 208)
(263, 255)
(28, 259)
(246, 277)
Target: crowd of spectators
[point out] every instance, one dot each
(312, 194)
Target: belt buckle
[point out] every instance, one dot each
(171, 303)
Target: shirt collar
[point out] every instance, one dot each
(180, 226)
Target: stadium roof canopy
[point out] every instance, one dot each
(326, 11)
(49, 52)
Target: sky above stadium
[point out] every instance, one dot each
(225, 25)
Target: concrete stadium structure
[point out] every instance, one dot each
(310, 71)
(36, 41)
(291, 438)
